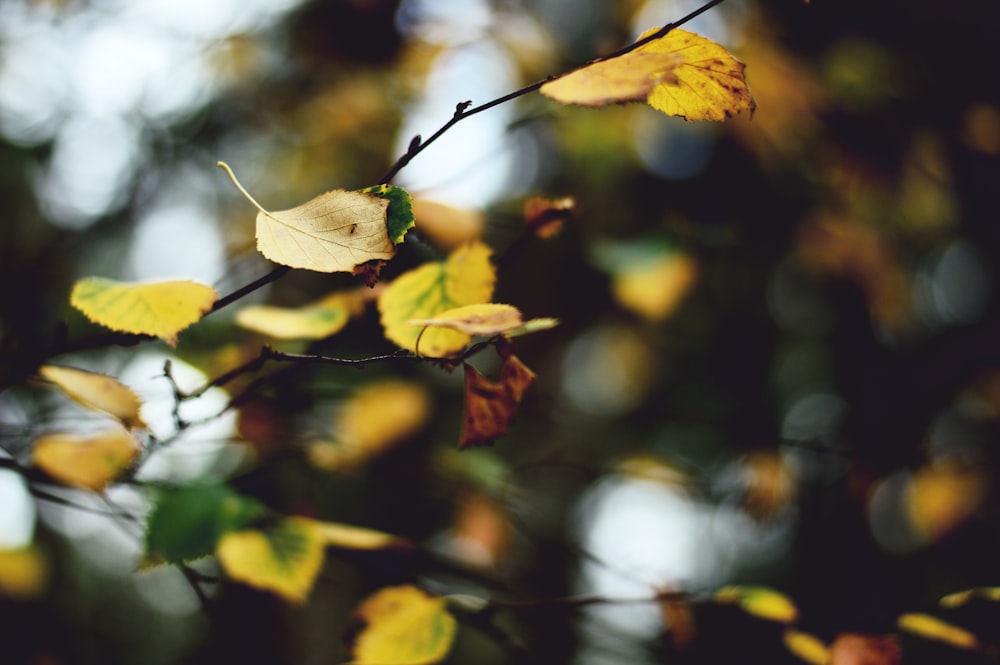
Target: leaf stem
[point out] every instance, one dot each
(465, 109)
(232, 176)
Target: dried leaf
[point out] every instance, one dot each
(626, 78)
(490, 406)
(333, 232)
(544, 217)
(484, 320)
(857, 649)
(707, 84)
(90, 461)
(284, 557)
(465, 278)
(97, 391)
(161, 309)
(405, 627)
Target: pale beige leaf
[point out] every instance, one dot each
(626, 78)
(484, 319)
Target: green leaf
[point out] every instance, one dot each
(187, 523)
(399, 217)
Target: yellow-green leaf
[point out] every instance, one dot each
(806, 646)
(375, 418)
(161, 309)
(934, 628)
(465, 278)
(707, 84)
(23, 573)
(96, 391)
(314, 321)
(627, 78)
(285, 557)
(334, 232)
(90, 461)
(760, 602)
(405, 626)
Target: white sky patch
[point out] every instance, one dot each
(17, 519)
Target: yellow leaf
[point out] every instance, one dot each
(707, 84)
(760, 601)
(465, 278)
(490, 406)
(87, 461)
(654, 288)
(334, 232)
(377, 417)
(405, 627)
(284, 557)
(445, 226)
(486, 319)
(161, 309)
(354, 537)
(808, 647)
(940, 497)
(314, 321)
(626, 78)
(933, 628)
(23, 573)
(962, 597)
(97, 391)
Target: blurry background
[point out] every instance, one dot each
(779, 358)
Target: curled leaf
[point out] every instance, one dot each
(490, 405)
(485, 319)
(465, 278)
(89, 461)
(161, 309)
(405, 626)
(97, 391)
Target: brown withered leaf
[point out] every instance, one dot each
(544, 217)
(858, 649)
(490, 405)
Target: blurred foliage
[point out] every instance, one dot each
(781, 331)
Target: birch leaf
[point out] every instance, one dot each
(161, 309)
(315, 321)
(490, 406)
(334, 232)
(96, 391)
(399, 215)
(284, 557)
(933, 628)
(484, 319)
(405, 627)
(89, 461)
(707, 84)
(465, 278)
(627, 78)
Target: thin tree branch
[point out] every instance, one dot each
(465, 109)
